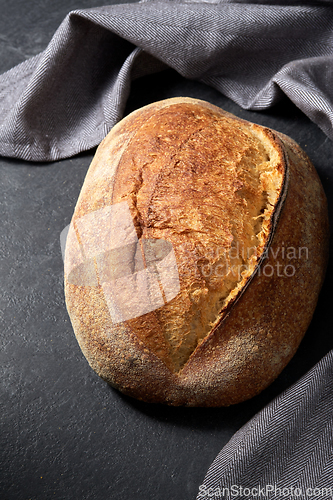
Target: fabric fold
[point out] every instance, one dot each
(66, 99)
(286, 450)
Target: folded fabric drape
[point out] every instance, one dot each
(285, 451)
(67, 98)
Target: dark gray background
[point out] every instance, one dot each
(64, 433)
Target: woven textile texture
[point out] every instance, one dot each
(67, 98)
(285, 451)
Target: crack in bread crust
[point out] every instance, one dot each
(180, 191)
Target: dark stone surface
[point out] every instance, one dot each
(64, 433)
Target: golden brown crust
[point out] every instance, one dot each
(264, 314)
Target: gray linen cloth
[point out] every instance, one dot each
(283, 452)
(67, 98)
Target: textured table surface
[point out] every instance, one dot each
(64, 433)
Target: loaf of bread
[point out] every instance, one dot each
(195, 255)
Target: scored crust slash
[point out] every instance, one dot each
(195, 255)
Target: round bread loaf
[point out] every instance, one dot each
(195, 255)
